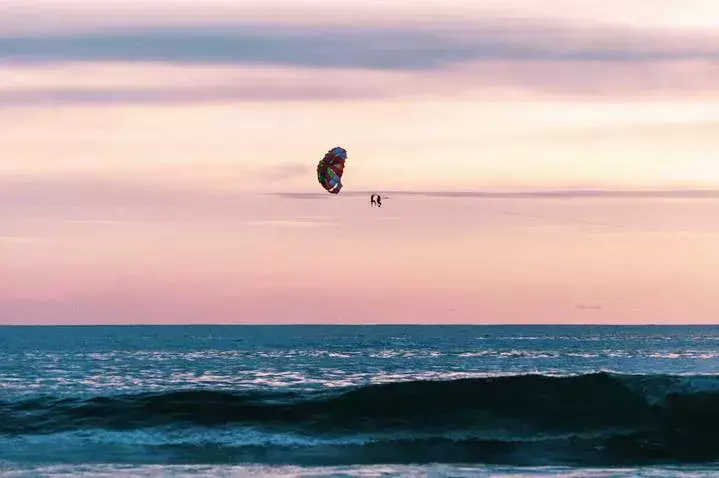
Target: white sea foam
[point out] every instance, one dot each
(11, 470)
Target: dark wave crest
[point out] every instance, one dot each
(589, 419)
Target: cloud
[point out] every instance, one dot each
(148, 83)
(41, 15)
(117, 202)
(383, 47)
(102, 84)
(244, 44)
(304, 62)
(533, 194)
(206, 94)
(585, 78)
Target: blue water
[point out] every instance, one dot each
(359, 400)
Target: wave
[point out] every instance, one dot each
(529, 419)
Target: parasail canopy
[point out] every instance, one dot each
(330, 169)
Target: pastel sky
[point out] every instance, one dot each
(143, 144)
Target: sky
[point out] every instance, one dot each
(157, 160)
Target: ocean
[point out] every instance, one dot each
(374, 400)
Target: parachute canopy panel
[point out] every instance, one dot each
(330, 169)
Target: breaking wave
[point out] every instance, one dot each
(589, 419)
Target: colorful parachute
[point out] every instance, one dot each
(330, 169)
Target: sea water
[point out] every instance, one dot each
(359, 400)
